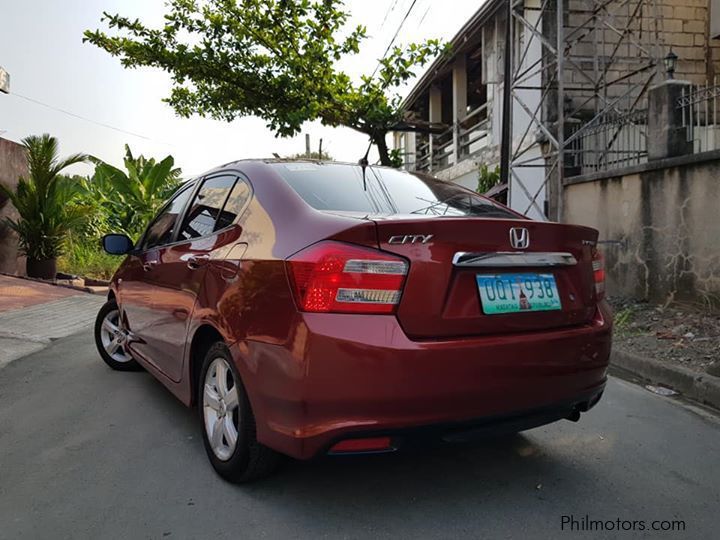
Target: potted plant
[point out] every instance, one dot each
(43, 201)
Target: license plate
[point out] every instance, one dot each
(514, 293)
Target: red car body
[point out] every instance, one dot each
(434, 366)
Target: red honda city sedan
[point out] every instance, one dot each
(311, 308)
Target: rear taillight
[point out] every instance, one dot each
(598, 266)
(332, 277)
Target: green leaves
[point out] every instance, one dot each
(44, 200)
(129, 199)
(51, 205)
(275, 59)
(487, 179)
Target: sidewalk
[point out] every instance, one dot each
(33, 314)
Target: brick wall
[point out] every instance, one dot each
(686, 26)
(654, 27)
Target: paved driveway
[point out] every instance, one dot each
(89, 453)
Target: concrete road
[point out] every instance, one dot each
(89, 453)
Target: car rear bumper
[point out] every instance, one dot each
(351, 375)
(475, 429)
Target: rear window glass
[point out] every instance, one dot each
(340, 188)
(205, 209)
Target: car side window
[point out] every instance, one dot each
(239, 195)
(160, 232)
(206, 207)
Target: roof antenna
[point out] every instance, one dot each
(364, 164)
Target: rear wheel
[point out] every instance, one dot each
(228, 423)
(111, 339)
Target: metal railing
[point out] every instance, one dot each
(611, 141)
(443, 148)
(699, 105)
(422, 153)
(473, 131)
(469, 134)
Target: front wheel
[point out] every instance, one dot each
(228, 423)
(111, 339)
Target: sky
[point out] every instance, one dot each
(41, 47)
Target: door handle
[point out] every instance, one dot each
(149, 265)
(196, 261)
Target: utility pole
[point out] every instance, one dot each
(307, 145)
(320, 150)
(506, 134)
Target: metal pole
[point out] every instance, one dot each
(506, 134)
(561, 109)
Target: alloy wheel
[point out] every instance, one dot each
(221, 409)
(114, 337)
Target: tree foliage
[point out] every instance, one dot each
(45, 200)
(276, 59)
(314, 156)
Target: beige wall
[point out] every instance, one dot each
(12, 166)
(686, 26)
(663, 226)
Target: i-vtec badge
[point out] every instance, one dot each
(410, 239)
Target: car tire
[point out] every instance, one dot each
(111, 338)
(223, 405)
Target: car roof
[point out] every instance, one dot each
(271, 161)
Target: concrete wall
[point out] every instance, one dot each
(660, 225)
(12, 165)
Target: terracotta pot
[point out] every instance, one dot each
(45, 269)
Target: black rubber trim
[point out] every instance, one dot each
(471, 430)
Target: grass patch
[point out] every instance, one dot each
(87, 259)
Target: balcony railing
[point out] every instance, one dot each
(469, 135)
(474, 131)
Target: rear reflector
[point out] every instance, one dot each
(371, 444)
(598, 266)
(332, 277)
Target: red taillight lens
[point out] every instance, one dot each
(598, 266)
(332, 277)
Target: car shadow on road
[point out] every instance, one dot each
(491, 469)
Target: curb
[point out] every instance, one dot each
(701, 387)
(90, 289)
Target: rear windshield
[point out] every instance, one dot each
(340, 188)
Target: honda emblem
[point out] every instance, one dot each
(519, 238)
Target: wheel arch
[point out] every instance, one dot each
(203, 338)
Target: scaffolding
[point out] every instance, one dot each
(580, 71)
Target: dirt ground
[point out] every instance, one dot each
(682, 335)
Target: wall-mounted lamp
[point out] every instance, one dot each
(670, 64)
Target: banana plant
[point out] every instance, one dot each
(128, 199)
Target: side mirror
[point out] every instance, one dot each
(117, 244)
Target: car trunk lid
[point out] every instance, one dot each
(441, 296)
